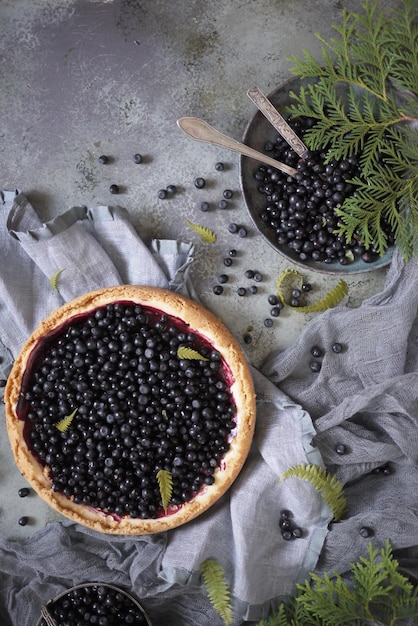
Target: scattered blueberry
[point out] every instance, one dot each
(162, 194)
(315, 366)
(138, 158)
(247, 338)
(22, 521)
(272, 299)
(253, 289)
(114, 189)
(199, 182)
(242, 232)
(232, 252)
(294, 302)
(103, 159)
(227, 194)
(316, 352)
(268, 322)
(287, 535)
(258, 277)
(217, 290)
(223, 278)
(275, 311)
(296, 293)
(219, 166)
(3, 382)
(223, 204)
(23, 492)
(340, 448)
(366, 531)
(171, 189)
(233, 228)
(249, 274)
(306, 287)
(297, 532)
(204, 206)
(241, 291)
(337, 347)
(228, 262)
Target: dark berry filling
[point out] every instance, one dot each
(139, 406)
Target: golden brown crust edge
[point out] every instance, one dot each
(199, 319)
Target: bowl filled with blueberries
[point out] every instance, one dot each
(93, 603)
(296, 214)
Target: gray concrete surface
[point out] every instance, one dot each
(80, 78)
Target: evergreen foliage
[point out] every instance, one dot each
(363, 97)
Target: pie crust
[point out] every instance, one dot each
(206, 325)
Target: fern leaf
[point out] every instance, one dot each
(217, 589)
(188, 353)
(54, 279)
(329, 487)
(165, 484)
(205, 234)
(332, 298)
(64, 424)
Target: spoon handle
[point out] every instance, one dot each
(202, 131)
(271, 113)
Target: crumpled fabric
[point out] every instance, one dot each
(96, 248)
(364, 401)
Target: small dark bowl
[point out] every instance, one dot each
(259, 131)
(134, 601)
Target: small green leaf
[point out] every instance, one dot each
(332, 298)
(205, 234)
(217, 589)
(329, 487)
(189, 353)
(64, 424)
(165, 483)
(54, 279)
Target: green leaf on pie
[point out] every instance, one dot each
(165, 483)
(64, 424)
(205, 234)
(189, 353)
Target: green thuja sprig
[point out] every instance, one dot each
(363, 97)
(375, 593)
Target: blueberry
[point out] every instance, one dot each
(223, 204)
(297, 532)
(217, 290)
(316, 352)
(306, 287)
(23, 492)
(294, 302)
(242, 232)
(232, 252)
(138, 158)
(275, 311)
(219, 166)
(272, 299)
(228, 261)
(171, 189)
(296, 293)
(247, 338)
(3, 382)
(233, 228)
(287, 535)
(340, 448)
(199, 182)
(22, 521)
(162, 194)
(204, 206)
(268, 322)
(337, 348)
(366, 531)
(227, 194)
(253, 289)
(114, 189)
(258, 277)
(315, 366)
(223, 278)
(241, 291)
(249, 274)
(103, 159)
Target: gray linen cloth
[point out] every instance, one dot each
(96, 248)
